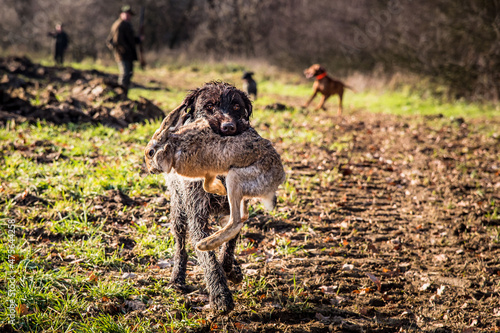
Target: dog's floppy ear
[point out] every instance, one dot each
(248, 104)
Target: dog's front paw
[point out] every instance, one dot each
(222, 303)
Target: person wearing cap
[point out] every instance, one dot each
(122, 41)
(62, 42)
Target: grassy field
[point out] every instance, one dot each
(74, 268)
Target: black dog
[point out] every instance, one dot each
(227, 110)
(249, 84)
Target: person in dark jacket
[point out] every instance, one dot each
(123, 40)
(62, 42)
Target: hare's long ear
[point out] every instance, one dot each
(172, 119)
(177, 117)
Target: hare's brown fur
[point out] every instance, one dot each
(251, 165)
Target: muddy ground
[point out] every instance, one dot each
(60, 95)
(397, 231)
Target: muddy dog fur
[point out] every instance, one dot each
(190, 205)
(251, 165)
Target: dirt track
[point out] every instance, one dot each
(404, 235)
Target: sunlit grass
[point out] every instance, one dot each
(406, 103)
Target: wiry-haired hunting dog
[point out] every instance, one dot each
(251, 165)
(227, 110)
(325, 85)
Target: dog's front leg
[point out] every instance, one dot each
(220, 296)
(321, 104)
(179, 226)
(226, 254)
(229, 263)
(306, 104)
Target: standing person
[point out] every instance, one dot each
(123, 40)
(62, 42)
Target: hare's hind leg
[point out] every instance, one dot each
(233, 227)
(212, 184)
(244, 210)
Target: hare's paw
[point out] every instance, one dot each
(215, 187)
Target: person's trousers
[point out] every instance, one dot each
(126, 70)
(59, 56)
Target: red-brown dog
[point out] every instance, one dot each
(325, 85)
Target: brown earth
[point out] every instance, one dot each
(396, 232)
(32, 92)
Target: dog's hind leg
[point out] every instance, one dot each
(341, 93)
(226, 254)
(229, 263)
(179, 226)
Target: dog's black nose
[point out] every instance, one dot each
(228, 128)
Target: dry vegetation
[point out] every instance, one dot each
(454, 43)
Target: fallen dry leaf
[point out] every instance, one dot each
(22, 310)
(320, 317)
(239, 326)
(14, 259)
(92, 277)
(362, 291)
(375, 280)
(248, 251)
(328, 290)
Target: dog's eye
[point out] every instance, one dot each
(236, 107)
(151, 152)
(210, 107)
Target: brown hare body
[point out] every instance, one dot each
(252, 167)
